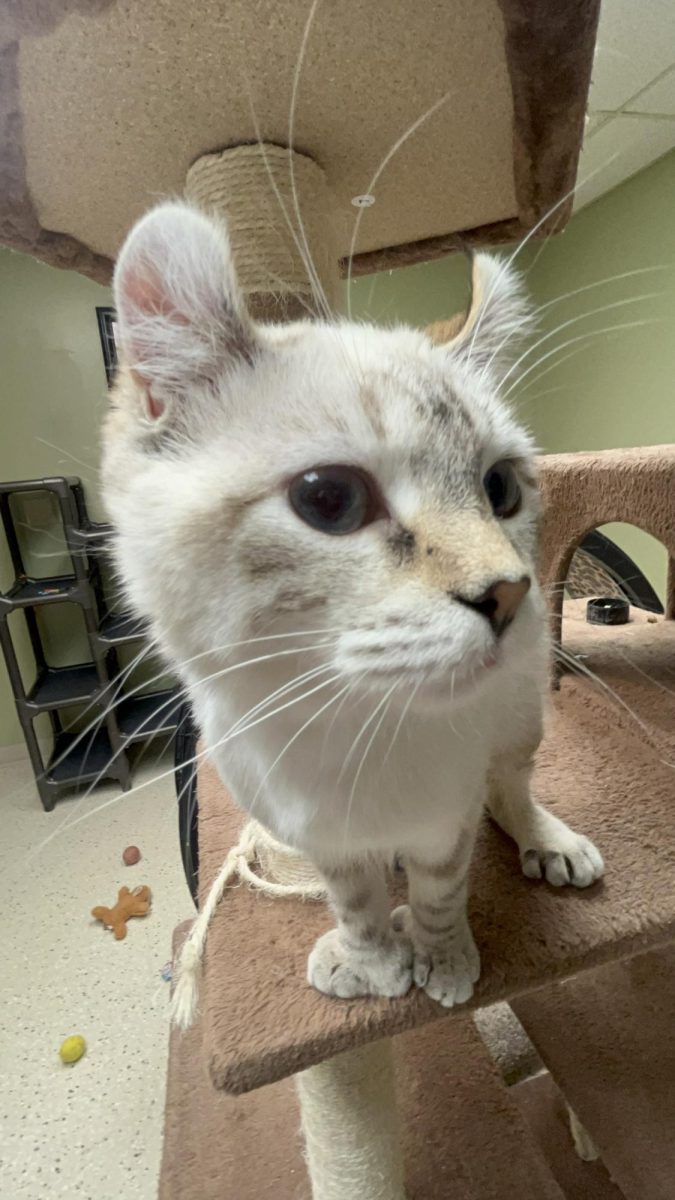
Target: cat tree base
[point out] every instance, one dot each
(220, 1147)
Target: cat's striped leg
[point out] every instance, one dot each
(447, 963)
(364, 955)
(548, 848)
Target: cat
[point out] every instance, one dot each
(332, 528)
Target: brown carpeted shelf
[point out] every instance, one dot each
(249, 1147)
(592, 772)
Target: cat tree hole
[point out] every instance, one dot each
(622, 561)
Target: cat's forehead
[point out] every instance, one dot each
(391, 385)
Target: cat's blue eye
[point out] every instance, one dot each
(334, 500)
(503, 489)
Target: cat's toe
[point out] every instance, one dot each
(448, 975)
(449, 981)
(569, 859)
(338, 970)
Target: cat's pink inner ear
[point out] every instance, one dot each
(154, 408)
(144, 294)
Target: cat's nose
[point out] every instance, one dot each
(500, 603)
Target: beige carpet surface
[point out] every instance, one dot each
(105, 105)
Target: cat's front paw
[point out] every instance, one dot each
(561, 856)
(383, 969)
(446, 972)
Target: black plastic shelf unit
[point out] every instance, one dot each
(119, 628)
(102, 752)
(26, 592)
(151, 713)
(81, 758)
(59, 687)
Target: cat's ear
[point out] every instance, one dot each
(500, 317)
(180, 315)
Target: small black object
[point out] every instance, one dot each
(608, 610)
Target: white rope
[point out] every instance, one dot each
(248, 186)
(351, 1126)
(282, 871)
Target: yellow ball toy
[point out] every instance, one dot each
(72, 1049)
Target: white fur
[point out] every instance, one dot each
(199, 493)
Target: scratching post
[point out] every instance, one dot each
(351, 1127)
(282, 226)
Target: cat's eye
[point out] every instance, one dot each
(335, 500)
(503, 489)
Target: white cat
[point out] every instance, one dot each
(332, 528)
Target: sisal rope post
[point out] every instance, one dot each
(351, 1127)
(282, 224)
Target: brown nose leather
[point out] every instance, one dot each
(500, 603)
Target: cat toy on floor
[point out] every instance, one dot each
(129, 904)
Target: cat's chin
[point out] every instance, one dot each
(438, 690)
(459, 687)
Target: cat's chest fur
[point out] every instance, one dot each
(358, 778)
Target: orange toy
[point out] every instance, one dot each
(129, 904)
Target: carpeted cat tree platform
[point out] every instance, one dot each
(391, 129)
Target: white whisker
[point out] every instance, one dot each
(373, 183)
(384, 704)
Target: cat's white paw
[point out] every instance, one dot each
(563, 857)
(447, 973)
(379, 970)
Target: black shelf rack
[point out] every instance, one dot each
(76, 758)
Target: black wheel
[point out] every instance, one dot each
(631, 581)
(186, 793)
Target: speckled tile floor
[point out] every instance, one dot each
(92, 1130)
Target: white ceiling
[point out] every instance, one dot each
(631, 108)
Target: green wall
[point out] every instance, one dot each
(52, 390)
(616, 388)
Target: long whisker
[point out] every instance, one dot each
(119, 699)
(587, 287)
(314, 275)
(297, 734)
(582, 337)
(198, 683)
(578, 185)
(581, 349)
(373, 183)
(333, 326)
(582, 669)
(404, 712)
(235, 731)
(546, 337)
(384, 705)
(80, 462)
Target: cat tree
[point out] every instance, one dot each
(393, 1102)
